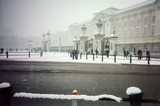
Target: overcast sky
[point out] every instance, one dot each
(33, 17)
(25, 20)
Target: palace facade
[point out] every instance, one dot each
(135, 28)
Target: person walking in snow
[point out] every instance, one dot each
(139, 54)
(148, 56)
(96, 52)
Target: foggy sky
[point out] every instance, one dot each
(27, 18)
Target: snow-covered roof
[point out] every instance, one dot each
(145, 3)
(108, 11)
(114, 11)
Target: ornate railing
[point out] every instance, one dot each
(135, 96)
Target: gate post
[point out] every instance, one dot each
(130, 59)
(135, 96)
(114, 58)
(74, 101)
(6, 93)
(102, 57)
(93, 57)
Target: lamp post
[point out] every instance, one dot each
(76, 43)
(48, 41)
(44, 42)
(99, 36)
(99, 25)
(30, 42)
(84, 28)
(83, 39)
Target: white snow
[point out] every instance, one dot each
(64, 57)
(133, 91)
(4, 85)
(66, 97)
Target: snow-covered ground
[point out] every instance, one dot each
(65, 57)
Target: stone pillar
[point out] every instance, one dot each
(83, 40)
(98, 41)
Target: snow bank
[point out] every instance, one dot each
(66, 97)
(4, 85)
(133, 91)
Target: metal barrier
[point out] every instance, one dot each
(130, 58)
(27, 54)
(135, 96)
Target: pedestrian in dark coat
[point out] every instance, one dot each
(148, 55)
(124, 53)
(139, 54)
(96, 52)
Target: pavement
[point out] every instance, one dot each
(62, 63)
(65, 57)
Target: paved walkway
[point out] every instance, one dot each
(64, 57)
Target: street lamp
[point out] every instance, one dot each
(99, 25)
(30, 45)
(99, 36)
(84, 28)
(44, 42)
(83, 39)
(76, 43)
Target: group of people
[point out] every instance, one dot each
(125, 53)
(139, 54)
(74, 54)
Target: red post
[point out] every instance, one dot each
(75, 92)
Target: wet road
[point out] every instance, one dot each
(88, 83)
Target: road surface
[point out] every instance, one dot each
(90, 79)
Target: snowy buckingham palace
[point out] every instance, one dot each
(135, 28)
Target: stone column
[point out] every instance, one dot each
(83, 40)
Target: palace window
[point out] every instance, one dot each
(153, 29)
(153, 19)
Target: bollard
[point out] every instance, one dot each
(96, 55)
(80, 55)
(29, 54)
(148, 60)
(73, 56)
(41, 53)
(86, 56)
(93, 57)
(102, 57)
(135, 96)
(115, 58)
(76, 56)
(6, 93)
(74, 101)
(130, 59)
(7, 54)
